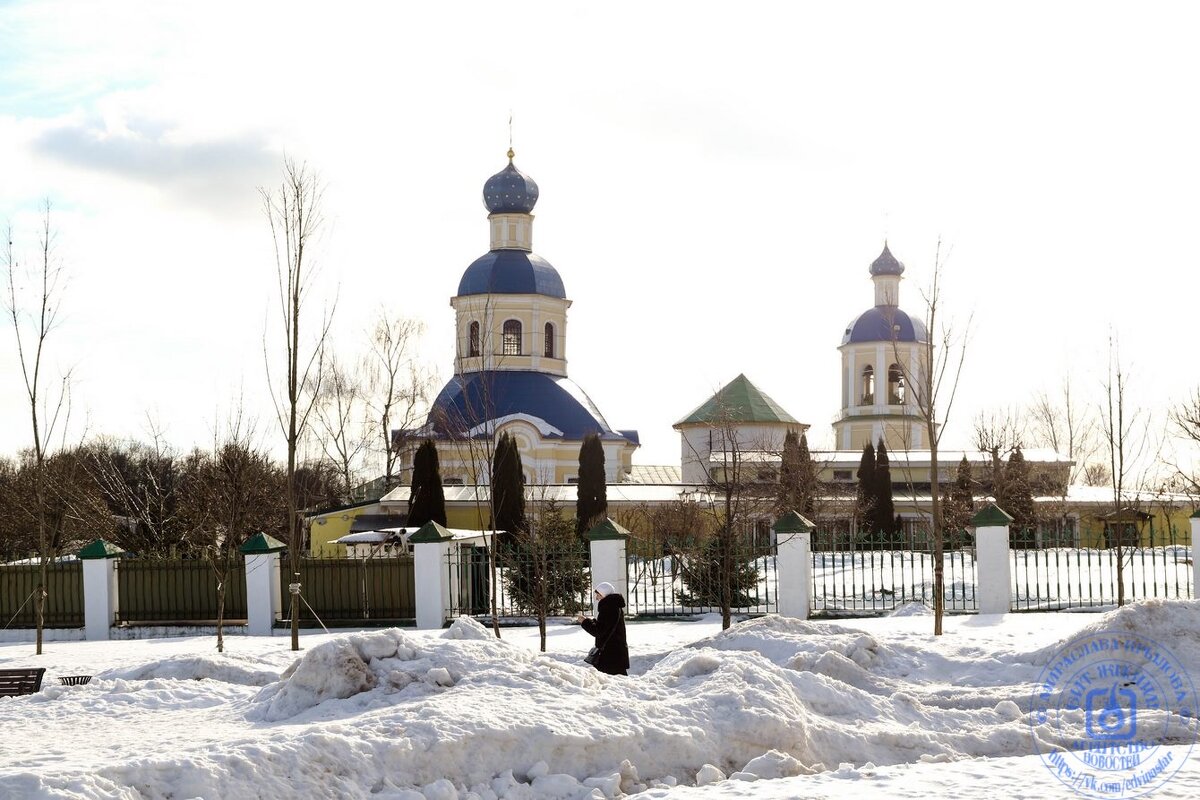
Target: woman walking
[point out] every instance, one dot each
(608, 628)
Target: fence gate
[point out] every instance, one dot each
(533, 578)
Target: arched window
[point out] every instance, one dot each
(549, 340)
(473, 339)
(512, 338)
(896, 385)
(868, 385)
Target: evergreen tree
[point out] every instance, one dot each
(592, 499)
(427, 499)
(865, 499)
(959, 506)
(1016, 496)
(884, 508)
(797, 477)
(508, 489)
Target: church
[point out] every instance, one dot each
(510, 377)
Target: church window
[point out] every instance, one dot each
(868, 385)
(473, 339)
(549, 340)
(896, 388)
(512, 338)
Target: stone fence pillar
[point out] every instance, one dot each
(263, 600)
(607, 544)
(993, 560)
(431, 573)
(1195, 520)
(101, 599)
(793, 564)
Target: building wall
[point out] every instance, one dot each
(899, 425)
(334, 525)
(491, 311)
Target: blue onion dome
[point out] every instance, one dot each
(886, 264)
(511, 272)
(885, 324)
(510, 191)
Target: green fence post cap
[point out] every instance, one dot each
(1195, 514)
(430, 532)
(607, 530)
(261, 543)
(991, 516)
(100, 549)
(793, 522)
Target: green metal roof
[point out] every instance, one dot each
(607, 530)
(793, 522)
(991, 516)
(738, 401)
(430, 532)
(100, 549)
(262, 543)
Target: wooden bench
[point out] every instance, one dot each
(16, 682)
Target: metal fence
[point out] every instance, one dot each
(554, 580)
(1049, 579)
(64, 594)
(855, 574)
(688, 581)
(344, 590)
(177, 591)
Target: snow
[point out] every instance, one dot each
(773, 707)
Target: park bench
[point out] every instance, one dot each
(16, 682)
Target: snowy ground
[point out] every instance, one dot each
(873, 707)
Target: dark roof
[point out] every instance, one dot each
(886, 264)
(738, 401)
(377, 522)
(885, 324)
(470, 400)
(510, 191)
(511, 272)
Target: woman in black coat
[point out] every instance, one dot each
(608, 628)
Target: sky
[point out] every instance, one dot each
(715, 181)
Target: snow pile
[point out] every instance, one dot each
(460, 714)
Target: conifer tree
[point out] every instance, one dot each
(797, 476)
(959, 506)
(884, 508)
(1016, 495)
(592, 499)
(427, 499)
(865, 500)
(508, 489)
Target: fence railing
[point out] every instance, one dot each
(554, 580)
(1059, 578)
(690, 581)
(64, 594)
(857, 575)
(341, 590)
(177, 591)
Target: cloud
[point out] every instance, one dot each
(216, 173)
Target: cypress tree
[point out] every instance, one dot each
(865, 500)
(592, 499)
(807, 479)
(427, 500)
(789, 497)
(959, 506)
(508, 489)
(884, 508)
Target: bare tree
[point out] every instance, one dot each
(1067, 426)
(1185, 420)
(340, 420)
(34, 297)
(998, 433)
(1124, 429)
(934, 387)
(399, 388)
(293, 211)
(140, 484)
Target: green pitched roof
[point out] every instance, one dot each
(607, 530)
(430, 532)
(262, 543)
(738, 401)
(991, 516)
(793, 522)
(100, 549)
